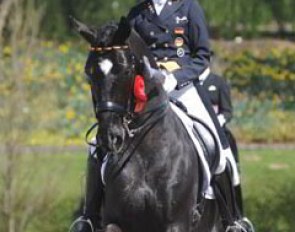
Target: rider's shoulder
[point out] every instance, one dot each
(137, 9)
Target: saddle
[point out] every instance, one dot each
(204, 136)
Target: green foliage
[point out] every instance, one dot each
(53, 188)
(58, 95)
(263, 86)
(269, 75)
(95, 12)
(268, 184)
(234, 17)
(33, 190)
(262, 122)
(59, 100)
(226, 18)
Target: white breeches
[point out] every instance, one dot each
(189, 96)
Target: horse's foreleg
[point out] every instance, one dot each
(112, 228)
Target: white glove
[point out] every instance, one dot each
(170, 81)
(221, 119)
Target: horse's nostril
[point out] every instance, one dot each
(115, 140)
(119, 140)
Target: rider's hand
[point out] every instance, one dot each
(170, 81)
(221, 119)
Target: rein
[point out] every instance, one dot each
(134, 141)
(130, 125)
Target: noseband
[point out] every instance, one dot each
(109, 106)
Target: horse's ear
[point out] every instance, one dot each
(86, 32)
(140, 49)
(122, 33)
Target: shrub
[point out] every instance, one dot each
(267, 75)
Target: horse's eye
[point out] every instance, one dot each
(88, 78)
(89, 71)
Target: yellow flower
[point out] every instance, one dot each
(78, 67)
(63, 48)
(48, 44)
(85, 87)
(70, 114)
(7, 50)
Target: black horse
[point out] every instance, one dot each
(153, 176)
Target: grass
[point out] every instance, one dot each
(267, 178)
(269, 184)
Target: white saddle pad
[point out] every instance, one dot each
(188, 124)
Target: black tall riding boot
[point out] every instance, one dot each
(227, 200)
(224, 193)
(90, 221)
(235, 151)
(239, 198)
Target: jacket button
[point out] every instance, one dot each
(165, 58)
(152, 33)
(156, 58)
(166, 45)
(153, 45)
(166, 31)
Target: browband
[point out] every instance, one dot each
(102, 49)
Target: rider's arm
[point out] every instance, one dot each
(198, 44)
(225, 104)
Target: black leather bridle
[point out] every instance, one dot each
(110, 106)
(126, 112)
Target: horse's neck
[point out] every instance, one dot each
(161, 138)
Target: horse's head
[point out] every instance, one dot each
(111, 68)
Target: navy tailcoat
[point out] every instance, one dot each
(179, 33)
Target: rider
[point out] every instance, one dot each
(176, 33)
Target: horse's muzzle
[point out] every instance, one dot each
(113, 139)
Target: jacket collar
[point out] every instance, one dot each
(150, 13)
(170, 7)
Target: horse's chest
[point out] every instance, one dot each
(135, 192)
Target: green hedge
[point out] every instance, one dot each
(263, 87)
(269, 75)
